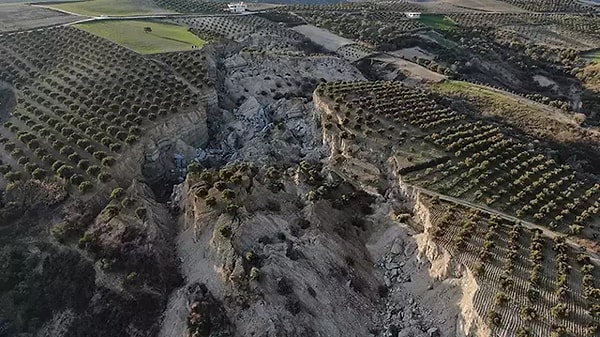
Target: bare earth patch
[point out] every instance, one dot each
(412, 69)
(323, 37)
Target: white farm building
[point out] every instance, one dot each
(413, 15)
(238, 7)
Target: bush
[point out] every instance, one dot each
(130, 279)
(141, 213)
(65, 171)
(220, 185)
(85, 186)
(528, 313)
(111, 211)
(559, 331)
(254, 274)
(232, 208)
(117, 193)
(523, 332)
(494, 318)
(202, 192)
(250, 257)
(12, 176)
(206, 177)
(104, 177)
(127, 202)
(83, 164)
(228, 194)
(211, 201)
(559, 310)
(533, 294)
(93, 170)
(194, 168)
(108, 161)
(60, 231)
(76, 179)
(225, 230)
(501, 299)
(88, 241)
(39, 173)
(99, 155)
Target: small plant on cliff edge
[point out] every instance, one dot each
(225, 230)
(210, 201)
(228, 194)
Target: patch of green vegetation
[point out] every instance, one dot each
(134, 35)
(437, 21)
(593, 55)
(496, 102)
(108, 7)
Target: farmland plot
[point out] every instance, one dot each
(89, 107)
(241, 28)
(487, 162)
(528, 284)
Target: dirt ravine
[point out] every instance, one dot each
(363, 267)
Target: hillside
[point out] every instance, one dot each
(320, 168)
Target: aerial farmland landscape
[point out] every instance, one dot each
(311, 168)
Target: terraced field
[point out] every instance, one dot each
(487, 163)
(529, 284)
(89, 107)
(579, 32)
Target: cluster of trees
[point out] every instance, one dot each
(239, 27)
(552, 6)
(192, 6)
(383, 35)
(222, 185)
(190, 65)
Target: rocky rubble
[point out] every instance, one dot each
(315, 269)
(404, 315)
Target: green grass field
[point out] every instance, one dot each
(594, 55)
(437, 21)
(131, 34)
(110, 7)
